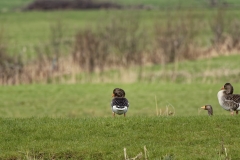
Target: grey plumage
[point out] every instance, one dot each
(229, 88)
(227, 99)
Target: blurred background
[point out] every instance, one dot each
(78, 41)
(64, 57)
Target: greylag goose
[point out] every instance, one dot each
(228, 100)
(119, 103)
(209, 109)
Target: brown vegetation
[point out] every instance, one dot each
(10, 68)
(118, 45)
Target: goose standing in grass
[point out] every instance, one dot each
(209, 108)
(228, 100)
(119, 103)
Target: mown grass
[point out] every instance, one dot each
(184, 138)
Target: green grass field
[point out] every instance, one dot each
(74, 121)
(165, 138)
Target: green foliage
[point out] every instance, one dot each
(182, 138)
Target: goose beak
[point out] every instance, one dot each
(222, 88)
(112, 95)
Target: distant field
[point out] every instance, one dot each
(8, 6)
(5, 4)
(163, 3)
(171, 3)
(24, 31)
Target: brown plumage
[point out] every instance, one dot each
(209, 108)
(118, 92)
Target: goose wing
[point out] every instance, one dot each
(233, 97)
(233, 101)
(119, 102)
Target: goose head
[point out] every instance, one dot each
(228, 88)
(209, 108)
(118, 92)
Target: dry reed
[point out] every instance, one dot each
(138, 156)
(120, 45)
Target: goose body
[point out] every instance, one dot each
(228, 100)
(119, 103)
